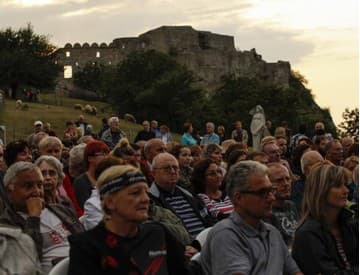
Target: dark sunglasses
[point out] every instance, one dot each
(263, 192)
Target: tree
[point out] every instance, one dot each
(237, 96)
(151, 85)
(89, 77)
(350, 125)
(26, 59)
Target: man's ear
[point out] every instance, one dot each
(237, 198)
(8, 191)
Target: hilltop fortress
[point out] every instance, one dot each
(208, 55)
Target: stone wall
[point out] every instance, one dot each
(208, 55)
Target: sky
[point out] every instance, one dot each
(318, 37)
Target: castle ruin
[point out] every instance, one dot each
(210, 56)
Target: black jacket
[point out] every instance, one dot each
(151, 251)
(315, 251)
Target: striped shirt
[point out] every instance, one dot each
(185, 212)
(217, 206)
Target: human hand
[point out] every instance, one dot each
(190, 251)
(34, 206)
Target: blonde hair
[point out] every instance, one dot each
(49, 141)
(267, 140)
(351, 160)
(320, 180)
(109, 174)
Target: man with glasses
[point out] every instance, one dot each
(243, 243)
(165, 193)
(285, 215)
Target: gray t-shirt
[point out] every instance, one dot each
(233, 246)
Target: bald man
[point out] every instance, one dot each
(166, 193)
(307, 161)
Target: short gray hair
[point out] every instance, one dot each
(76, 159)
(237, 179)
(16, 168)
(53, 162)
(160, 156)
(113, 119)
(210, 124)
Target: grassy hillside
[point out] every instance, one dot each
(56, 110)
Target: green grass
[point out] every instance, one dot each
(56, 110)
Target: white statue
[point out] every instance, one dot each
(257, 127)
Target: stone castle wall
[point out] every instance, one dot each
(208, 55)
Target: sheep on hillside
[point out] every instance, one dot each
(18, 104)
(90, 109)
(78, 107)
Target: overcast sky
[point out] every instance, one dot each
(318, 37)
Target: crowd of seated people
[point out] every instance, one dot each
(111, 205)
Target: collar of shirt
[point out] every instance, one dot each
(247, 229)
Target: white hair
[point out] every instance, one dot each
(113, 119)
(13, 171)
(210, 124)
(53, 162)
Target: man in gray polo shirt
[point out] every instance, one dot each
(243, 243)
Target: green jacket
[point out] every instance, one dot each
(172, 223)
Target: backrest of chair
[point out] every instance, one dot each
(203, 235)
(61, 268)
(82, 219)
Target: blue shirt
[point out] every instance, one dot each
(213, 138)
(187, 139)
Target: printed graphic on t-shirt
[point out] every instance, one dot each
(54, 235)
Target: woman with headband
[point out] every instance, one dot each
(123, 243)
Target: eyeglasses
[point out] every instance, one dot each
(214, 172)
(263, 192)
(169, 168)
(51, 173)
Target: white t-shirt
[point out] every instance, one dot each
(54, 235)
